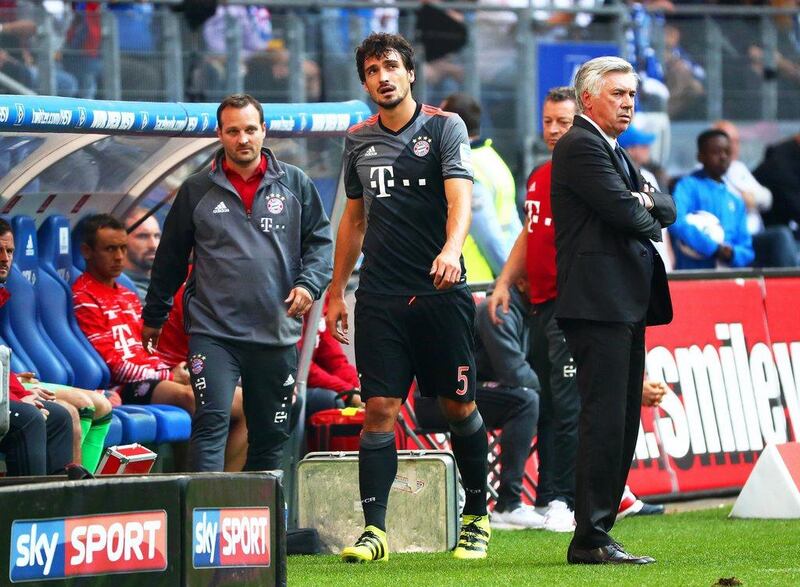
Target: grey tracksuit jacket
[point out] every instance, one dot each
(244, 266)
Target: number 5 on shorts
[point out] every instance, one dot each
(462, 379)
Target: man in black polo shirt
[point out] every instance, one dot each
(408, 180)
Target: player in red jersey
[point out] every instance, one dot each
(110, 316)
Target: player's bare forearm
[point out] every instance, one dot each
(458, 192)
(446, 267)
(515, 268)
(349, 239)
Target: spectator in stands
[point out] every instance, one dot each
(507, 397)
(269, 73)
(341, 29)
(254, 27)
(780, 172)
(637, 143)
(495, 223)
(262, 255)
(711, 225)
(685, 78)
(140, 73)
(142, 244)
(16, 27)
(60, 15)
(774, 246)
(110, 317)
(82, 48)
(38, 438)
(653, 93)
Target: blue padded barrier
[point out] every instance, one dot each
(138, 424)
(174, 423)
(114, 436)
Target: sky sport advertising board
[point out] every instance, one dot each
(80, 546)
(732, 359)
(230, 537)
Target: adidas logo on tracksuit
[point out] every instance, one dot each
(221, 208)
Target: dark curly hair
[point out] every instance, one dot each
(378, 45)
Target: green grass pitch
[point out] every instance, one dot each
(694, 548)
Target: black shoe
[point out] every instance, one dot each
(76, 472)
(650, 509)
(611, 554)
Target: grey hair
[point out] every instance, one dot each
(589, 76)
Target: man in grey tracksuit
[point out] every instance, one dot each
(259, 234)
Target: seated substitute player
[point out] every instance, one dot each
(508, 399)
(110, 317)
(408, 180)
(89, 411)
(34, 443)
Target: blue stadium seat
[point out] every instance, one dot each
(78, 261)
(20, 361)
(24, 310)
(20, 320)
(138, 424)
(126, 282)
(55, 298)
(114, 436)
(174, 423)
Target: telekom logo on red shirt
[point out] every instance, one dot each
(123, 341)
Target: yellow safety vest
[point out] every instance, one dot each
(491, 171)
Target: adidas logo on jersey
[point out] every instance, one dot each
(371, 152)
(221, 208)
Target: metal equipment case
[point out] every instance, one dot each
(423, 502)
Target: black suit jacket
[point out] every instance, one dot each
(608, 270)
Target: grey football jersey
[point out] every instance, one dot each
(401, 177)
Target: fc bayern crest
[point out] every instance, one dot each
(422, 146)
(197, 363)
(275, 204)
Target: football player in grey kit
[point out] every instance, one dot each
(408, 181)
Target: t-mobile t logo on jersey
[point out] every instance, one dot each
(123, 339)
(386, 180)
(532, 212)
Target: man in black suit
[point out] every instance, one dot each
(611, 284)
